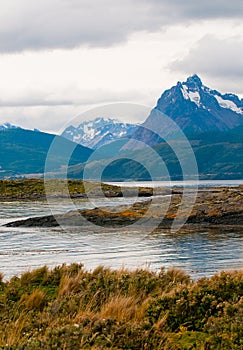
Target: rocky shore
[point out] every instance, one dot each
(217, 206)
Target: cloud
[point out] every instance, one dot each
(218, 59)
(56, 118)
(49, 119)
(38, 25)
(50, 112)
(69, 97)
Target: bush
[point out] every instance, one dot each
(70, 308)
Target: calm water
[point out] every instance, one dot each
(199, 253)
(191, 183)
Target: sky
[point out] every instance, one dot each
(61, 58)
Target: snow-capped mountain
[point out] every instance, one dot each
(95, 133)
(197, 108)
(6, 126)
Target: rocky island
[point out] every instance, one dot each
(213, 207)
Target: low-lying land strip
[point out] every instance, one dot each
(35, 189)
(215, 206)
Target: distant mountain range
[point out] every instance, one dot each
(219, 155)
(98, 132)
(213, 123)
(193, 106)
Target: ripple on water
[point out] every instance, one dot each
(199, 253)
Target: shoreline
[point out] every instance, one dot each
(213, 207)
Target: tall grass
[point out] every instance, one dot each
(71, 308)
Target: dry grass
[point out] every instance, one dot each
(71, 308)
(36, 300)
(119, 307)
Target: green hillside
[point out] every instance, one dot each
(219, 155)
(24, 151)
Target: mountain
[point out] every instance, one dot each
(195, 108)
(98, 132)
(212, 122)
(25, 151)
(6, 126)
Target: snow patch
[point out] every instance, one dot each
(228, 104)
(193, 96)
(184, 92)
(122, 133)
(88, 130)
(76, 138)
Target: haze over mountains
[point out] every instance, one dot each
(213, 122)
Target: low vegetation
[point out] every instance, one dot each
(71, 308)
(25, 188)
(35, 189)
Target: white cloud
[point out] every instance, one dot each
(217, 59)
(59, 57)
(67, 97)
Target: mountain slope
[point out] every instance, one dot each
(219, 155)
(98, 132)
(25, 151)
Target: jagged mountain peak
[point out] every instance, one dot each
(98, 132)
(197, 108)
(194, 83)
(193, 94)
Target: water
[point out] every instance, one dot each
(200, 253)
(189, 183)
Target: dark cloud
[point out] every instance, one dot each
(37, 25)
(207, 9)
(218, 59)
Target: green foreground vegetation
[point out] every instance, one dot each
(72, 308)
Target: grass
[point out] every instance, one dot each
(36, 189)
(72, 308)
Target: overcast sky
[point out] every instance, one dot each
(59, 58)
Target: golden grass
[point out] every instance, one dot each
(71, 308)
(35, 300)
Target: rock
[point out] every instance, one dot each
(212, 207)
